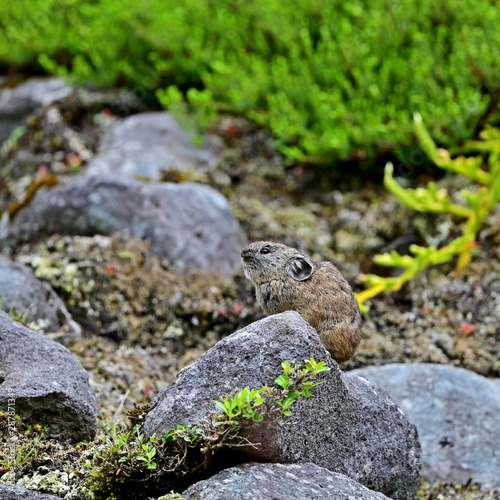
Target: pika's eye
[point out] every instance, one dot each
(265, 250)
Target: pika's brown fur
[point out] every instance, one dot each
(286, 279)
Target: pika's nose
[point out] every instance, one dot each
(246, 254)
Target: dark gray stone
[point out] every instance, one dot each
(13, 492)
(349, 427)
(274, 481)
(22, 293)
(147, 143)
(44, 383)
(190, 224)
(457, 414)
(19, 101)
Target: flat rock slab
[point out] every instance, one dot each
(148, 143)
(13, 492)
(457, 414)
(274, 481)
(19, 101)
(349, 427)
(44, 383)
(23, 294)
(190, 224)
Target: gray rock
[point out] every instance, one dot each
(19, 101)
(190, 224)
(275, 481)
(44, 383)
(147, 143)
(13, 492)
(349, 427)
(22, 293)
(457, 416)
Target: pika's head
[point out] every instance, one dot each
(264, 261)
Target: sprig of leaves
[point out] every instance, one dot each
(296, 382)
(244, 404)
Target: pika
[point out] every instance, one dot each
(285, 280)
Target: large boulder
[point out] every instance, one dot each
(147, 144)
(293, 482)
(349, 427)
(457, 416)
(190, 224)
(44, 383)
(24, 295)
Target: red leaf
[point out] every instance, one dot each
(467, 328)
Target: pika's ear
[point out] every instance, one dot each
(299, 268)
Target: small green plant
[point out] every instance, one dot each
(16, 315)
(130, 461)
(478, 203)
(27, 451)
(296, 382)
(244, 404)
(20, 317)
(149, 454)
(29, 438)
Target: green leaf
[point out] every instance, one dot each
(283, 381)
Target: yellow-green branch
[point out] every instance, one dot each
(479, 202)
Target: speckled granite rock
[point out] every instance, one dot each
(19, 101)
(13, 492)
(24, 294)
(349, 427)
(275, 481)
(44, 383)
(147, 143)
(190, 224)
(457, 416)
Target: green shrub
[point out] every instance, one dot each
(333, 80)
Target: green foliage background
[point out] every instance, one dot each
(333, 80)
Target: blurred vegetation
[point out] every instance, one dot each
(333, 80)
(477, 202)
